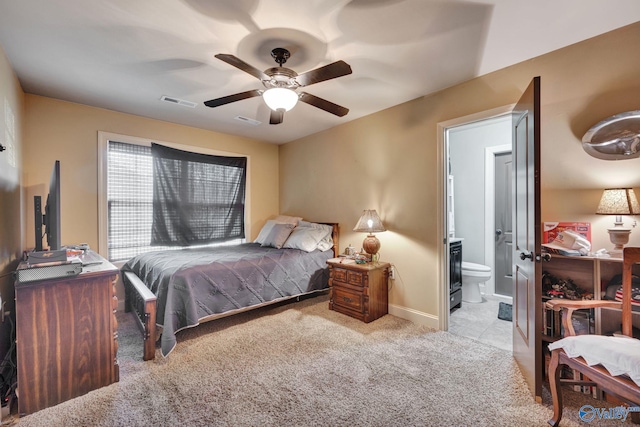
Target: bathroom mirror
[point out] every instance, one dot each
(615, 138)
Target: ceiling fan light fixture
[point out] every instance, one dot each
(280, 98)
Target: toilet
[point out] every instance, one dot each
(472, 276)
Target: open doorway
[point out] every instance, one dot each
(476, 164)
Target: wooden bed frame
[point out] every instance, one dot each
(139, 299)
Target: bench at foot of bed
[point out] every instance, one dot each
(140, 300)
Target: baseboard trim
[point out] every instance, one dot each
(415, 316)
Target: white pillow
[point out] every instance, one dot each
(266, 229)
(327, 228)
(325, 244)
(619, 355)
(278, 235)
(305, 238)
(288, 219)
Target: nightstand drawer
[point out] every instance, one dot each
(355, 278)
(339, 275)
(347, 276)
(348, 298)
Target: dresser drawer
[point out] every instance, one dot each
(347, 298)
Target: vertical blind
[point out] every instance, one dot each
(130, 201)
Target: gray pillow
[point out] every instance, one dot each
(266, 229)
(305, 238)
(278, 235)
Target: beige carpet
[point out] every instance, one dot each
(300, 364)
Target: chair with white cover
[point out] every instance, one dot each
(610, 362)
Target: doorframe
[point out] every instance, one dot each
(490, 154)
(442, 203)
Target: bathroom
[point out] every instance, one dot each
(479, 215)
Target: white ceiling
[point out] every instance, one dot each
(124, 55)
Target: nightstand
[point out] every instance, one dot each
(359, 290)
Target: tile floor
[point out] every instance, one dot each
(480, 322)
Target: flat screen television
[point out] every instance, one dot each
(51, 217)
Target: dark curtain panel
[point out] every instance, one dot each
(197, 198)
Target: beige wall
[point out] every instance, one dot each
(389, 161)
(11, 229)
(59, 130)
(580, 205)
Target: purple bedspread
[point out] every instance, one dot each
(192, 284)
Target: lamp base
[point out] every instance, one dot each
(619, 236)
(371, 244)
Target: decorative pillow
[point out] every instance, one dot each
(278, 235)
(288, 219)
(325, 244)
(305, 238)
(266, 229)
(619, 355)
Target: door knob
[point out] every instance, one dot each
(524, 256)
(498, 232)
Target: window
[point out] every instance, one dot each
(126, 208)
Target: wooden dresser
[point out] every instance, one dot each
(359, 290)
(66, 334)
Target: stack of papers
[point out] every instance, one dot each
(554, 248)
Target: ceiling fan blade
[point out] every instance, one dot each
(323, 104)
(233, 98)
(328, 72)
(240, 64)
(276, 117)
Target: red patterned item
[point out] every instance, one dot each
(552, 229)
(635, 296)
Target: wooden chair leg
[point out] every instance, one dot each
(556, 392)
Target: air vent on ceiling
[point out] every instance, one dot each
(248, 120)
(178, 101)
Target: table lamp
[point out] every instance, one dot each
(618, 202)
(370, 223)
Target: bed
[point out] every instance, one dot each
(177, 289)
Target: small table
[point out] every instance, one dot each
(359, 290)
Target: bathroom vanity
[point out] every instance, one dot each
(455, 273)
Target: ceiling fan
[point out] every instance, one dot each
(281, 84)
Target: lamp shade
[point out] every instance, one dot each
(618, 201)
(280, 98)
(369, 222)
